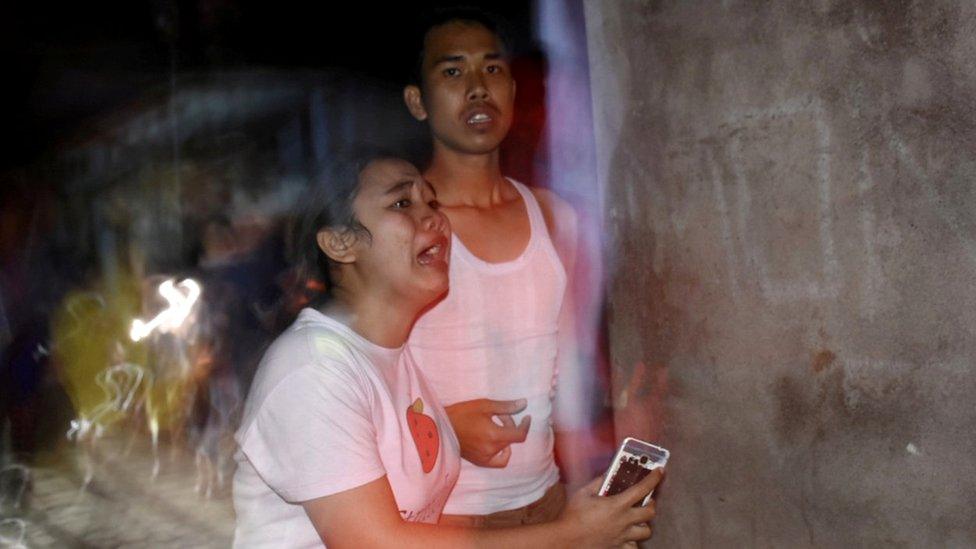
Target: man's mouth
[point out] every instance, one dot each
(479, 118)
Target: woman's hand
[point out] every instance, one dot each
(484, 442)
(611, 521)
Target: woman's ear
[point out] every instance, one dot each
(337, 244)
(415, 102)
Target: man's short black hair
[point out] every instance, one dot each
(441, 16)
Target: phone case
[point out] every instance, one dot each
(633, 461)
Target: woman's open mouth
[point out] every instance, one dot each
(435, 253)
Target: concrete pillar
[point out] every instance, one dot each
(792, 264)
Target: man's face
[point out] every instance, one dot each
(468, 91)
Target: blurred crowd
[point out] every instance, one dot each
(144, 266)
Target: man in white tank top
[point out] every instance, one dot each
(492, 348)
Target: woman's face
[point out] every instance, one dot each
(408, 253)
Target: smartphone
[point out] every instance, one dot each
(634, 460)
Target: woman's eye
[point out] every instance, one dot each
(402, 203)
(434, 204)
(492, 69)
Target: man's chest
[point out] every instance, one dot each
(496, 235)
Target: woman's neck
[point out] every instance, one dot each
(372, 317)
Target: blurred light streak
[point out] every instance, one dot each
(14, 480)
(12, 533)
(154, 434)
(180, 305)
(573, 176)
(120, 384)
(89, 334)
(75, 308)
(214, 453)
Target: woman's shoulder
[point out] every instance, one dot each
(309, 351)
(314, 344)
(308, 365)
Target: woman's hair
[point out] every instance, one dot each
(329, 205)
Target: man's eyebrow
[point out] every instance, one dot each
(448, 59)
(490, 56)
(399, 186)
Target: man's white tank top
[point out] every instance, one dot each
(494, 336)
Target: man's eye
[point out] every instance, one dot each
(452, 71)
(492, 69)
(402, 203)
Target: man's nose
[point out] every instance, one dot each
(477, 91)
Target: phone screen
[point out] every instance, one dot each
(635, 459)
(629, 472)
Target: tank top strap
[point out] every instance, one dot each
(539, 239)
(537, 222)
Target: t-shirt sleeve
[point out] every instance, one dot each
(313, 435)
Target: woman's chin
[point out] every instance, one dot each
(435, 287)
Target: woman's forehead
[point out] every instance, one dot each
(386, 174)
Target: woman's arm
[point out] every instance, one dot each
(367, 516)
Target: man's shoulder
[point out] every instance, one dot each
(549, 197)
(561, 222)
(559, 214)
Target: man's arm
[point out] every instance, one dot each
(484, 442)
(573, 421)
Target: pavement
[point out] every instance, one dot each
(123, 505)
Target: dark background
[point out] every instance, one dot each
(148, 140)
(177, 139)
(68, 63)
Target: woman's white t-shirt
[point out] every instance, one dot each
(329, 411)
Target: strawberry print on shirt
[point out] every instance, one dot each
(424, 433)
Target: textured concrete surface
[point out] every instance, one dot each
(788, 188)
(122, 506)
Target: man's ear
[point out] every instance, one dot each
(415, 102)
(337, 244)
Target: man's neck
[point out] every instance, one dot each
(465, 179)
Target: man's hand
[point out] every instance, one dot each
(484, 442)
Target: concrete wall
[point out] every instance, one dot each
(791, 209)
